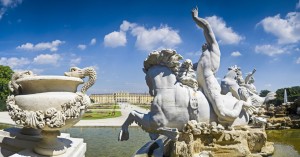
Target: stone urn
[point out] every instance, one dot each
(49, 104)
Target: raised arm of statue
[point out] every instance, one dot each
(211, 42)
(226, 107)
(208, 33)
(248, 77)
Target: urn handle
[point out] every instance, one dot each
(13, 86)
(82, 73)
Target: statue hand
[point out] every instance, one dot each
(270, 96)
(249, 108)
(195, 12)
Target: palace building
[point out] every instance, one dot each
(141, 98)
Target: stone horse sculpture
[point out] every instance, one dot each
(180, 95)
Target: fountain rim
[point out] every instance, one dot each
(49, 77)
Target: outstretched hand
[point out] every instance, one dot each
(250, 109)
(195, 12)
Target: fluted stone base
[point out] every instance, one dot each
(15, 144)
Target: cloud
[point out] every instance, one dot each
(14, 62)
(118, 38)
(236, 54)
(298, 61)
(155, 38)
(287, 30)
(224, 34)
(125, 26)
(47, 59)
(81, 46)
(298, 5)
(52, 46)
(271, 50)
(6, 4)
(75, 61)
(115, 39)
(93, 41)
(147, 39)
(10, 3)
(2, 11)
(37, 71)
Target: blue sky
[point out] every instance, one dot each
(115, 37)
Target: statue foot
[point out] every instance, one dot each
(123, 135)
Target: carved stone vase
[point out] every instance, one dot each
(49, 104)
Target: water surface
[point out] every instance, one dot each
(286, 142)
(102, 141)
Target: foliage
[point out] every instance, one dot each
(2, 105)
(104, 106)
(5, 76)
(264, 93)
(92, 100)
(293, 93)
(143, 105)
(91, 115)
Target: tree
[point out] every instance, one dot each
(5, 76)
(264, 93)
(292, 92)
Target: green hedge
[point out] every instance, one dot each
(2, 105)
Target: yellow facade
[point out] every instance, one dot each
(141, 98)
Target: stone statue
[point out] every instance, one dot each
(249, 80)
(230, 81)
(226, 107)
(180, 95)
(243, 89)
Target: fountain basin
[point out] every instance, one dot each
(42, 101)
(40, 84)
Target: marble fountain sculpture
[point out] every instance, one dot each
(47, 104)
(191, 115)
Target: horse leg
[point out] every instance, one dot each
(143, 120)
(153, 136)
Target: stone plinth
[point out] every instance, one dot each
(211, 140)
(252, 142)
(15, 144)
